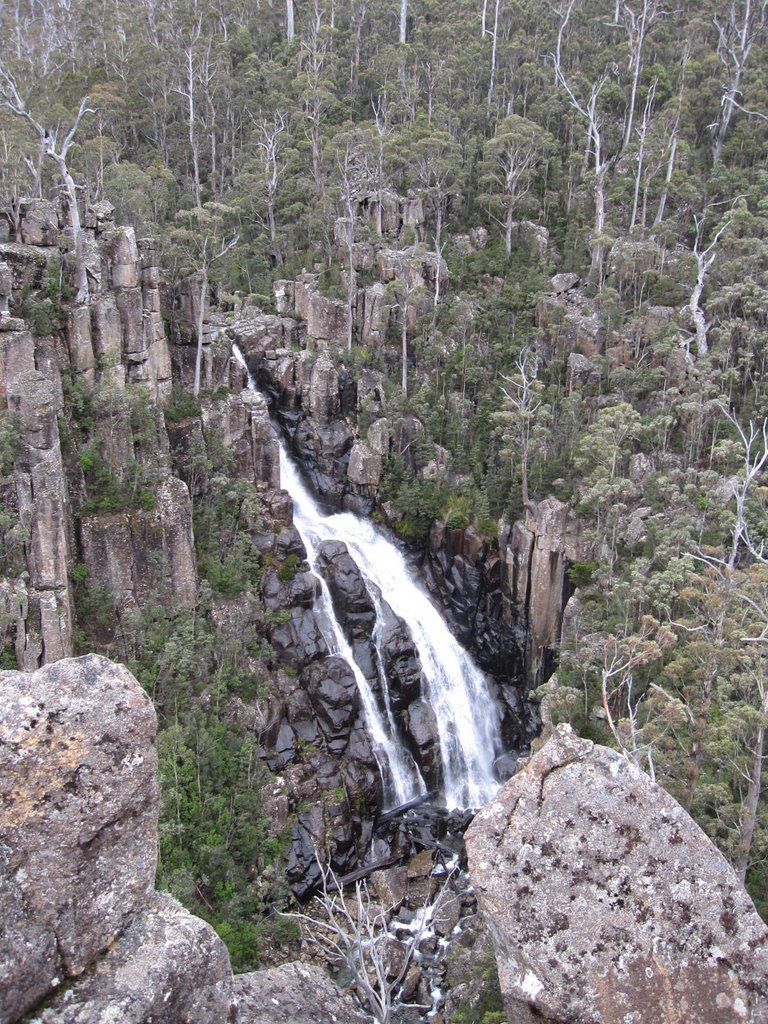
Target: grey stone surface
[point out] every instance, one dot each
(43, 506)
(78, 820)
(167, 968)
(606, 902)
(294, 993)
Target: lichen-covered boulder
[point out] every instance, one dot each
(167, 968)
(606, 902)
(78, 820)
(294, 993)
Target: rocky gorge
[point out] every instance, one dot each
(130, 504)
(106, 473)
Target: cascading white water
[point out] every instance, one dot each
(401, 778)
(467, 716)
(468, 719)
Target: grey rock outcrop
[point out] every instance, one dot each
(80, 924)
(39, 222)
(167, 966)
(294, 993)
(44, 618)
(78, 820)
(607, 903)
(241, 422)
(139, 555)
(536, 557)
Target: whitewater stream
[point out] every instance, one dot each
(468, 719)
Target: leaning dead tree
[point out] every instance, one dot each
(57, 149)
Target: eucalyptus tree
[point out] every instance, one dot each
(54, 142)
(513, 159)
(584, 96)
(435, 167)
(202, 239)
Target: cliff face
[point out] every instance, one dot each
(117, 341)
(113, 467)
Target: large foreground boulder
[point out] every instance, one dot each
(78, 819)
(607, 904)
(168, 967)
(80, 924)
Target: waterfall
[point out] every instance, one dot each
(467, 716)
(401, 778)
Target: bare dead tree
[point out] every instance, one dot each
(737, 33)
(351, 931)
(642, 133)
(587, 110)
(705, 258)
(754, 446)
(637, 24)
(210, 252)
(494, 42)
(290, 21)
(268, 143)
(186, 87)
(345, 163)
(521, 395)
(57, 150)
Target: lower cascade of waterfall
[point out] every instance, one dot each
(466, 714)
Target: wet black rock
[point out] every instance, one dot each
(334, 698)
(298, 641)
(351, 600)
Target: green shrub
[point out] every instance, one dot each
(287, 570)
(183, 405)
(580, 573)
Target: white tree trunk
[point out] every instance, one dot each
(290, 25)
(749, 812)
(403, 20)
(200, 327)
(404, 340)
(492, 81)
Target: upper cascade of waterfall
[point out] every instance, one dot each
(467, 716)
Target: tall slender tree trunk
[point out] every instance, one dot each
(749, 813)
(668, 176)
(729, 100)
(403, 20)
(290, 25)
(492, 80)
(200, 327)
(81, 274)
(404, 341)
(508, 229)
(598, 245)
